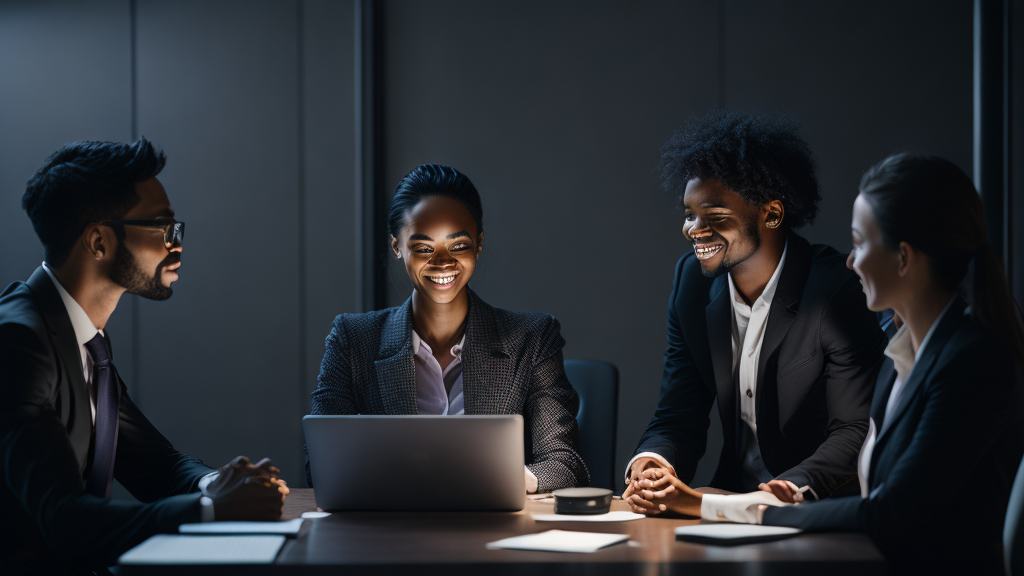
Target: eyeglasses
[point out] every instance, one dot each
(174, 231)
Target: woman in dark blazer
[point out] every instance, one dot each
(444, 350)
(945, 433)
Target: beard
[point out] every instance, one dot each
(753, 236)
(127, 273)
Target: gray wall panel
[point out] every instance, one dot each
(863, 79)
(66, 76)
(331, 248)
(218, 88)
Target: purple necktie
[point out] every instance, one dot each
(104, 381)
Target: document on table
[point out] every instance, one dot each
(285, 528)
(733, 533)
(616, 516)
(559, 541)
(178, 549)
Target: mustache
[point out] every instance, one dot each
(172, 259)
(713, 240)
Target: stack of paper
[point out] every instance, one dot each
(176, 549)
(559, 541)
(615, 516)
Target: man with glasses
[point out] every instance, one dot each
(67, 425)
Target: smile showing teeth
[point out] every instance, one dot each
(706, 251)
(442, 280)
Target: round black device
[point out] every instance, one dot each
(582, 500)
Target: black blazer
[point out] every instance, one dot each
(50, 524)
(821, 351)
(512, 364)
(943, 464)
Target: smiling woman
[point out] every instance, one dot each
(445, 351)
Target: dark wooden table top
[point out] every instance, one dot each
(455, 543)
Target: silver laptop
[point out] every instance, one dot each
(416, 462)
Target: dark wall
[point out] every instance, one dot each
(556, 110)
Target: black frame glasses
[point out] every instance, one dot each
(174, 230)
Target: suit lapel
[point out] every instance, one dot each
(394, 366)
(718, 314)
(484, 354)
(932, 352)
(786, 301)
(883, 387)
(52, 309)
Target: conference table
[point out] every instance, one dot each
(454, 543)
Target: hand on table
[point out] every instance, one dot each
(247, 491)
(658, 490)
(638, 467)
(783, 490)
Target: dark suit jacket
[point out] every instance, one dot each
(50, 524)
(512, 364)
(943, 464)
(821, 351)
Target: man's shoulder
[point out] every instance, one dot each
(18, 309)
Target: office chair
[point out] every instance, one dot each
(1013, 527)
(597, 384)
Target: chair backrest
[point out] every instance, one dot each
(1013, 527)
(597, 384)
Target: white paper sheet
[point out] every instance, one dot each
(313, 514)
(735, 532)
(286, 528)
(615, 516)
(177, 549)
(559, 541)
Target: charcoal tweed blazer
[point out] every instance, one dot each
(512, 364)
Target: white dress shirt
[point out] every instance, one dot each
(749, 322)
(439, 391)
(85, 331)
(901, 351)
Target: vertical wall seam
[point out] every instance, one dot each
(301, 197)
(371, 252)
(721, 53)
(357, 172)
(136, 326)
(1009, 204)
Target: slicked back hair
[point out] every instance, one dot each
(82, 183)
(433, 180)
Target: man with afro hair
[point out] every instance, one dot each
(773, 328)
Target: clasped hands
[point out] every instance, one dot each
(247, 491)
(653, 489)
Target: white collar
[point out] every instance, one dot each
(85, 330)
(901, 348)
(769, 289)
(417, 342)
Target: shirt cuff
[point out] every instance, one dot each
(205, 481)
(661, 460)
(531, 481)
(741, 508)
